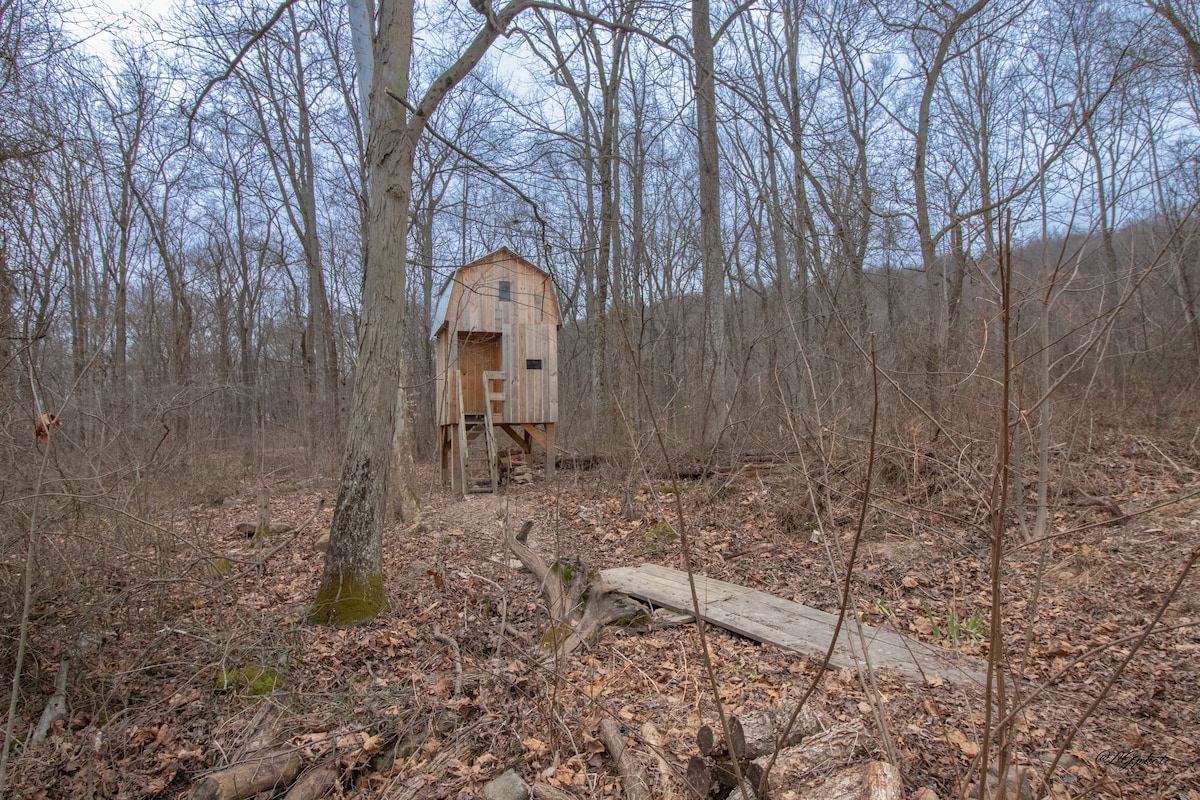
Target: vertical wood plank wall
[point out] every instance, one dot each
(529, 324)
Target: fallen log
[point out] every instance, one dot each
(633, 774)
(836, 747)
(314, 784)
(762, 729)
(269, 772)
(874, 780)
(881, 781)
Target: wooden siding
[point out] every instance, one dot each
(531, 395)
(526, 327)
(475, 304)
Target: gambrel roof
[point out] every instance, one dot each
(461, 280)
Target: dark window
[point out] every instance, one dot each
(505, 291)
(533, 363)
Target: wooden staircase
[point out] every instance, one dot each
(477, 437)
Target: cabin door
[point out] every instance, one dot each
(477, 353)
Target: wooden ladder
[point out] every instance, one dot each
(479, 467)
(491, 416)
(493, 396)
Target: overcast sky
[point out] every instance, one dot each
(101, 22)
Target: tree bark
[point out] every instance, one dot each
(249, 777)
(351, 589)
(314, 784)
(714, 363)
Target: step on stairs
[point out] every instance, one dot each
(480, 465)
(478, 461)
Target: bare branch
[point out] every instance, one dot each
(233, 65)
(464, 154)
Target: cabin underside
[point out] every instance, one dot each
(475, 460)
(472, 459)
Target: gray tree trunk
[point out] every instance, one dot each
(714, 363)
(352, 584)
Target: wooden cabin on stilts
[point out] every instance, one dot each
(496, 328)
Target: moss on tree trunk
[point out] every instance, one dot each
(345, 600)
(351, 588)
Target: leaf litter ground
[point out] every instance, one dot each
(446, 690)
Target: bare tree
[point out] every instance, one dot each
(715, 391)
(590, 68)
(352, 584)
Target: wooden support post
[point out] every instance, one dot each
(444, 447)
(452, 449)
(532, 431)
(551, 451)
(459, 460)
(520, 437)
(461, 439)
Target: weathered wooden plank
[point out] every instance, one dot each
(793, 626)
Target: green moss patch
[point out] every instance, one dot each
(637, 620)
(663, 530)
(571, 571)
(251, 680)
(348, 601)
(554, 636)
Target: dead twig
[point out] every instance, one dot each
(633, 774)
(438, 636)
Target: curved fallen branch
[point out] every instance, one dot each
(579, 603)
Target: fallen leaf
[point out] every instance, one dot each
(535, 746)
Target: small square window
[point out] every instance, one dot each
(505, 291)
(533, 363)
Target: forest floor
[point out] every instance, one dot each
(174, 677)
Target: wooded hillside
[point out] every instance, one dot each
(911, 279)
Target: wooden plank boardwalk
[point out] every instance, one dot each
(792, 626)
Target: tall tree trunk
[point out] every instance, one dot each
(714, 363)
(609, 256)
(352, 584)
(934, 278)
(1111, 290)
(351, 587)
